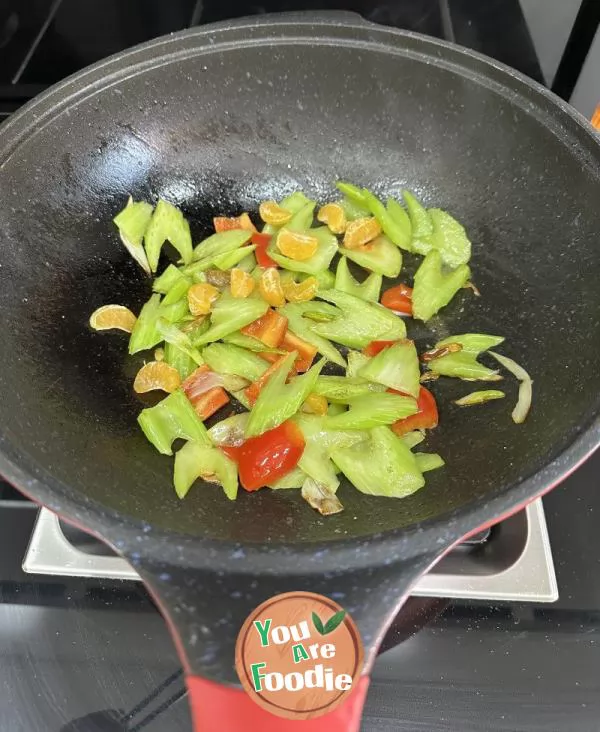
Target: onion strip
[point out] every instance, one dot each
(523, 405)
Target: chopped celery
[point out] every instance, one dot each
(303, 328)
(352, 210)
(320, 497)
(177, 291)
(356, 360)
(132, 223)
(422, 227)
(279, 401)
(379, 256)
(463, 365)
(229, 431)
(176, 312)
(412, 439)
(171, 419)
(295, 202)
(316, 463)
(429, 461)
(372, 410)
(230, 314)
(380, 466)
(145, 333)
(303, 218)
(232, 259)
(370, 289)
(294, 479)
(249, 343)
(402, 221)
(195, 461)
(336, 408)
(315, 432)
(225, 358)
(220, 244)
(196, 329)
(479, 397)
(449, 238)
(242, 398)
(171, 334)
(325, 278)
(354, 193)
(472, 342)
(179, 360)
(170, 277)
(342, 389)
(248, 263)
(396, 367)
(432, 288)
(360, 323)
(167, 223)
(320, 261)
(395, 231)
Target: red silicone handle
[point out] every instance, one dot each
(217, 708)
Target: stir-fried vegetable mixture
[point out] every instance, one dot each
(292, 344)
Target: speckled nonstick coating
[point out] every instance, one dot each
(216, 119)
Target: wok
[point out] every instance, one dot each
(216, 119)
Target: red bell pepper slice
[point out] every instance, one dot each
(376, 347)
(270, 328)
(306, 352)
(398, 299)
(262, 241)
(201, 389)
(425, 419)
(256, 387)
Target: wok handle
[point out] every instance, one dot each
(220, 708)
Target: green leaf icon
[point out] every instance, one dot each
(318, 624)
(333, 622)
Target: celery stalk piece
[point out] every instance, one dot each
(316, 463)
(380, 466)
(195, 461)
(145, 332)
(336, 408)
(422, 226)
(248, 263)
(449, 238)
(372, 410)
(132, 223)
(429, 461)
(229, 314)
(379, 256)
(464, 364)
(402, 221)
(249, 343)
(370, 289)
(176, 292)
(412, 439)
(319, 262)
(174, 417)
(479, 397)
(354, 193)
(219, 244)
(167, 223)
(232, 259)
(356, 360)
(179, 360)
(342, 390)
(295, 202)
(360, 323)
(196, 329)
(472, 342)
(279, 401)
(171, 334)
(176, 312)
(170, 277)
(434, 289)
(302, 219)
(320, 497)
(396, 367)
(395, 231)
(303, 328)
(352, 210)
(224, 358)
(294, 479)
(315, 432)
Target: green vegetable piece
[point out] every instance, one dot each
(279, 401)
(422, 227)
(393, 230)
(175, 313)
(323, 500)
(449, 238)
(479, 397)
(294, 479)
(303, 328)
(179, 360)
(316, 433)
(472, 342)
(171, 334)
(412, 439)
(250, 343)
(335, 408)
(372, 410)
(319, 262)
(379, 256)
(219, 244)
(325, 278)
(303, 218)
(170, 277)
(196, 330)
(232, 259)
(381, 466)
(248, 263)
(225, 358)
(316, 463)
(463, 365)
(354, 193)
(295, 202)
(360, 323)
(195, 461)
(167, 223)
(402, 221)
(132, 223)
(171, 419)
(145, 333)
(229, 314)
(396, 367)
(433, 289)
(352, 210)
(176, 292)
(429, 461)
(342, 390)
(370, 289)
(356, 360)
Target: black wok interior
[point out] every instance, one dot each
(216, 132)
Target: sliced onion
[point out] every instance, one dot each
(523, 405)
(229, 431)
(321, 498)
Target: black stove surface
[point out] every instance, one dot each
(95, 656)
